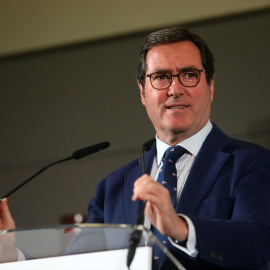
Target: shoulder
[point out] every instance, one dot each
(228, 144)
(135, 164)
(132, 169)
(240, 150)
(125, 168)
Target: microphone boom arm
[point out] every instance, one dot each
(78, 154)
(33, 176)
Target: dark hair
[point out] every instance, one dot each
(173, 35)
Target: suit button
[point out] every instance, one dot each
(216, 256)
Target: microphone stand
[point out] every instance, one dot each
(135, 237)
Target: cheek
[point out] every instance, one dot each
(201, 103)
(154, 97)
(154, 103)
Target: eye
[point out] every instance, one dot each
(160, 76)
(189, 75)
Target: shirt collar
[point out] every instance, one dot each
(192, 144)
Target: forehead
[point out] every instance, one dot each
(173, 56)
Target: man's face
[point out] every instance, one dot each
(176, 112)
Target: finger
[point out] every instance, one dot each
(150, 211)
(6, 216)
(143, 179)
(141, 184)
(149, 185)
(145, 188)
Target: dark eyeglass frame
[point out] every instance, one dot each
(176, 75)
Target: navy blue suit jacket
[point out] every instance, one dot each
(226, 195)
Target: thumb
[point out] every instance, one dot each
(6, 216)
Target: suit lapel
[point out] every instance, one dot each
(204, 171)
(207, 164)
(132, 208)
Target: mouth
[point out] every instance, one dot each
(176, 107)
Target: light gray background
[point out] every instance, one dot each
(56, 101)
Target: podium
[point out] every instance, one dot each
(83, 246)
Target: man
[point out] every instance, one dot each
(221, 219)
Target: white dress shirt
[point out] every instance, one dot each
(183, 167)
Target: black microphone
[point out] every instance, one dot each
(135, 237)
(78, 154)
(81, 153)
(148, 145)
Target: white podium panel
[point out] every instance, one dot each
(104, 260)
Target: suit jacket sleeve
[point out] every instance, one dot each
(243, 239)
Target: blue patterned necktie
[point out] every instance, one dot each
(168, 174)
(168, 178)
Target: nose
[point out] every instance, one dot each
(176, 88)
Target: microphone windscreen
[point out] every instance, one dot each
(78, 154)
(147, 145)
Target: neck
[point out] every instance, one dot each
(173, 138)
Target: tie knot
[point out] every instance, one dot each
(174, 153)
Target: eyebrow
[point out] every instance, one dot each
(182, 69)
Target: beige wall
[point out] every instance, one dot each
(31, 25)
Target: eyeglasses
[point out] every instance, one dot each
(162, 80)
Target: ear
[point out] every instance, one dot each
(212, 88)
(141, 93)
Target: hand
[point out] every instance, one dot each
(159, 209)
(8, 251)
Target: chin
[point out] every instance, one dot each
(178, 127)
(178, 131)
